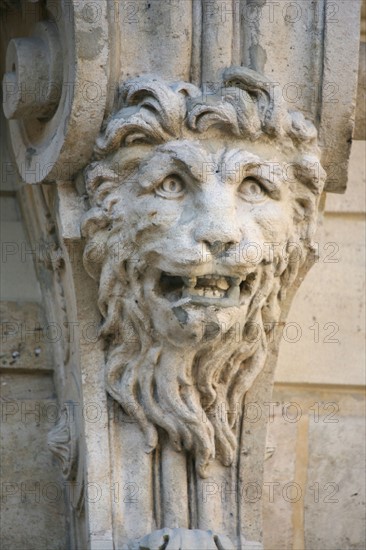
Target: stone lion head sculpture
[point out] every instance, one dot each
(203, 208)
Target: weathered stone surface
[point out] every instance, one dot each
(337, 472)
(353, 202)
(180, 307)
(192, 41)
(323, 459)
(317, 342)
(25, 337)
(279, 471)
(33, 506)
(185, 539)
(360, 117)
(9, 209)
(177, 182)
(19, 280)
(63, 85)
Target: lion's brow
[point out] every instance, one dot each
(188, 156)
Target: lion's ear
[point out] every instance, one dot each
(305, 217)
(303, 209)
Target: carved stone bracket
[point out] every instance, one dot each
(200, 308)
(182, 224)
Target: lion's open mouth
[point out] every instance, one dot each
(210, 289)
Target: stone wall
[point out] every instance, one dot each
(316, 448)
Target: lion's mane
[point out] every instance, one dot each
(184, 399)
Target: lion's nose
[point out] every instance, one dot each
(219, 247)
(217, 225)
(218, 237)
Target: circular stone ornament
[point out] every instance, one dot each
(55, 89)
(33, 80)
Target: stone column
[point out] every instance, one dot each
(174, 156)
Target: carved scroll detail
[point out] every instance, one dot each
(62, 442)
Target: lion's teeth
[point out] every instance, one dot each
(222, 284)
(213, 292)
(210, 286)
(190, 281)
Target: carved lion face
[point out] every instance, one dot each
(205, 220)
(202, 213)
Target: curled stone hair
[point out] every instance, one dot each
(245, 105)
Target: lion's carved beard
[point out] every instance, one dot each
(196, 400)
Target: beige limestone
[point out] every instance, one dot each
(279, 471)
(111, 48)
(323, 454)
(19, 280)
(25, 337)
(33, 514)
(328, 318)
(353, 202)
(336, 463)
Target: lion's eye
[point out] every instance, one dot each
(251, 190)
(171, 187)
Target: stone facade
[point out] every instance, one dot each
(171, 425)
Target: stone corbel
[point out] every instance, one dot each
(161, 152)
